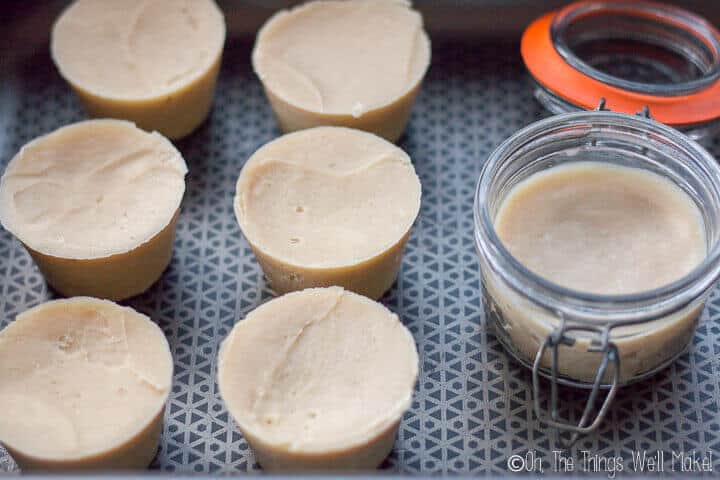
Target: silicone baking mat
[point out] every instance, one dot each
(472, 408)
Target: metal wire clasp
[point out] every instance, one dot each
(610, 355)
(602, 107)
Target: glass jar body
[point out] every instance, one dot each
(522, 325)
(649, 329)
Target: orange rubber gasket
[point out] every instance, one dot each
(552, 72)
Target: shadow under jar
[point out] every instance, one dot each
(584, 339)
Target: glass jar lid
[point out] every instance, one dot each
(633, 54)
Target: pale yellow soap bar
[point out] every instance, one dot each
(96, 204)
(83, 386)
(356, 64)
(318, 380)
(153, 62)
(328, 206)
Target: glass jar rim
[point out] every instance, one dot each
(694, 25)
(586, 307)
(551, 70)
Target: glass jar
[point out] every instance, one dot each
(577, 338)
(634, 54)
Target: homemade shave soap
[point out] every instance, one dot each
(83, 386)
(328, 206)
(355, 63)
(153, 62)
(96, 203)
(318, 380)
(602, 229)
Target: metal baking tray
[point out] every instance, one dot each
(472, 408)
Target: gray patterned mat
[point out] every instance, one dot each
(472, 407)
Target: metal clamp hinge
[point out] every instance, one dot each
(610, 355)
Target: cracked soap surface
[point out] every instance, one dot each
(137, 48)
(92, 189)
(343, 57)
(318, 370)
(602, 229)
(80, 376)
(327, 197)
